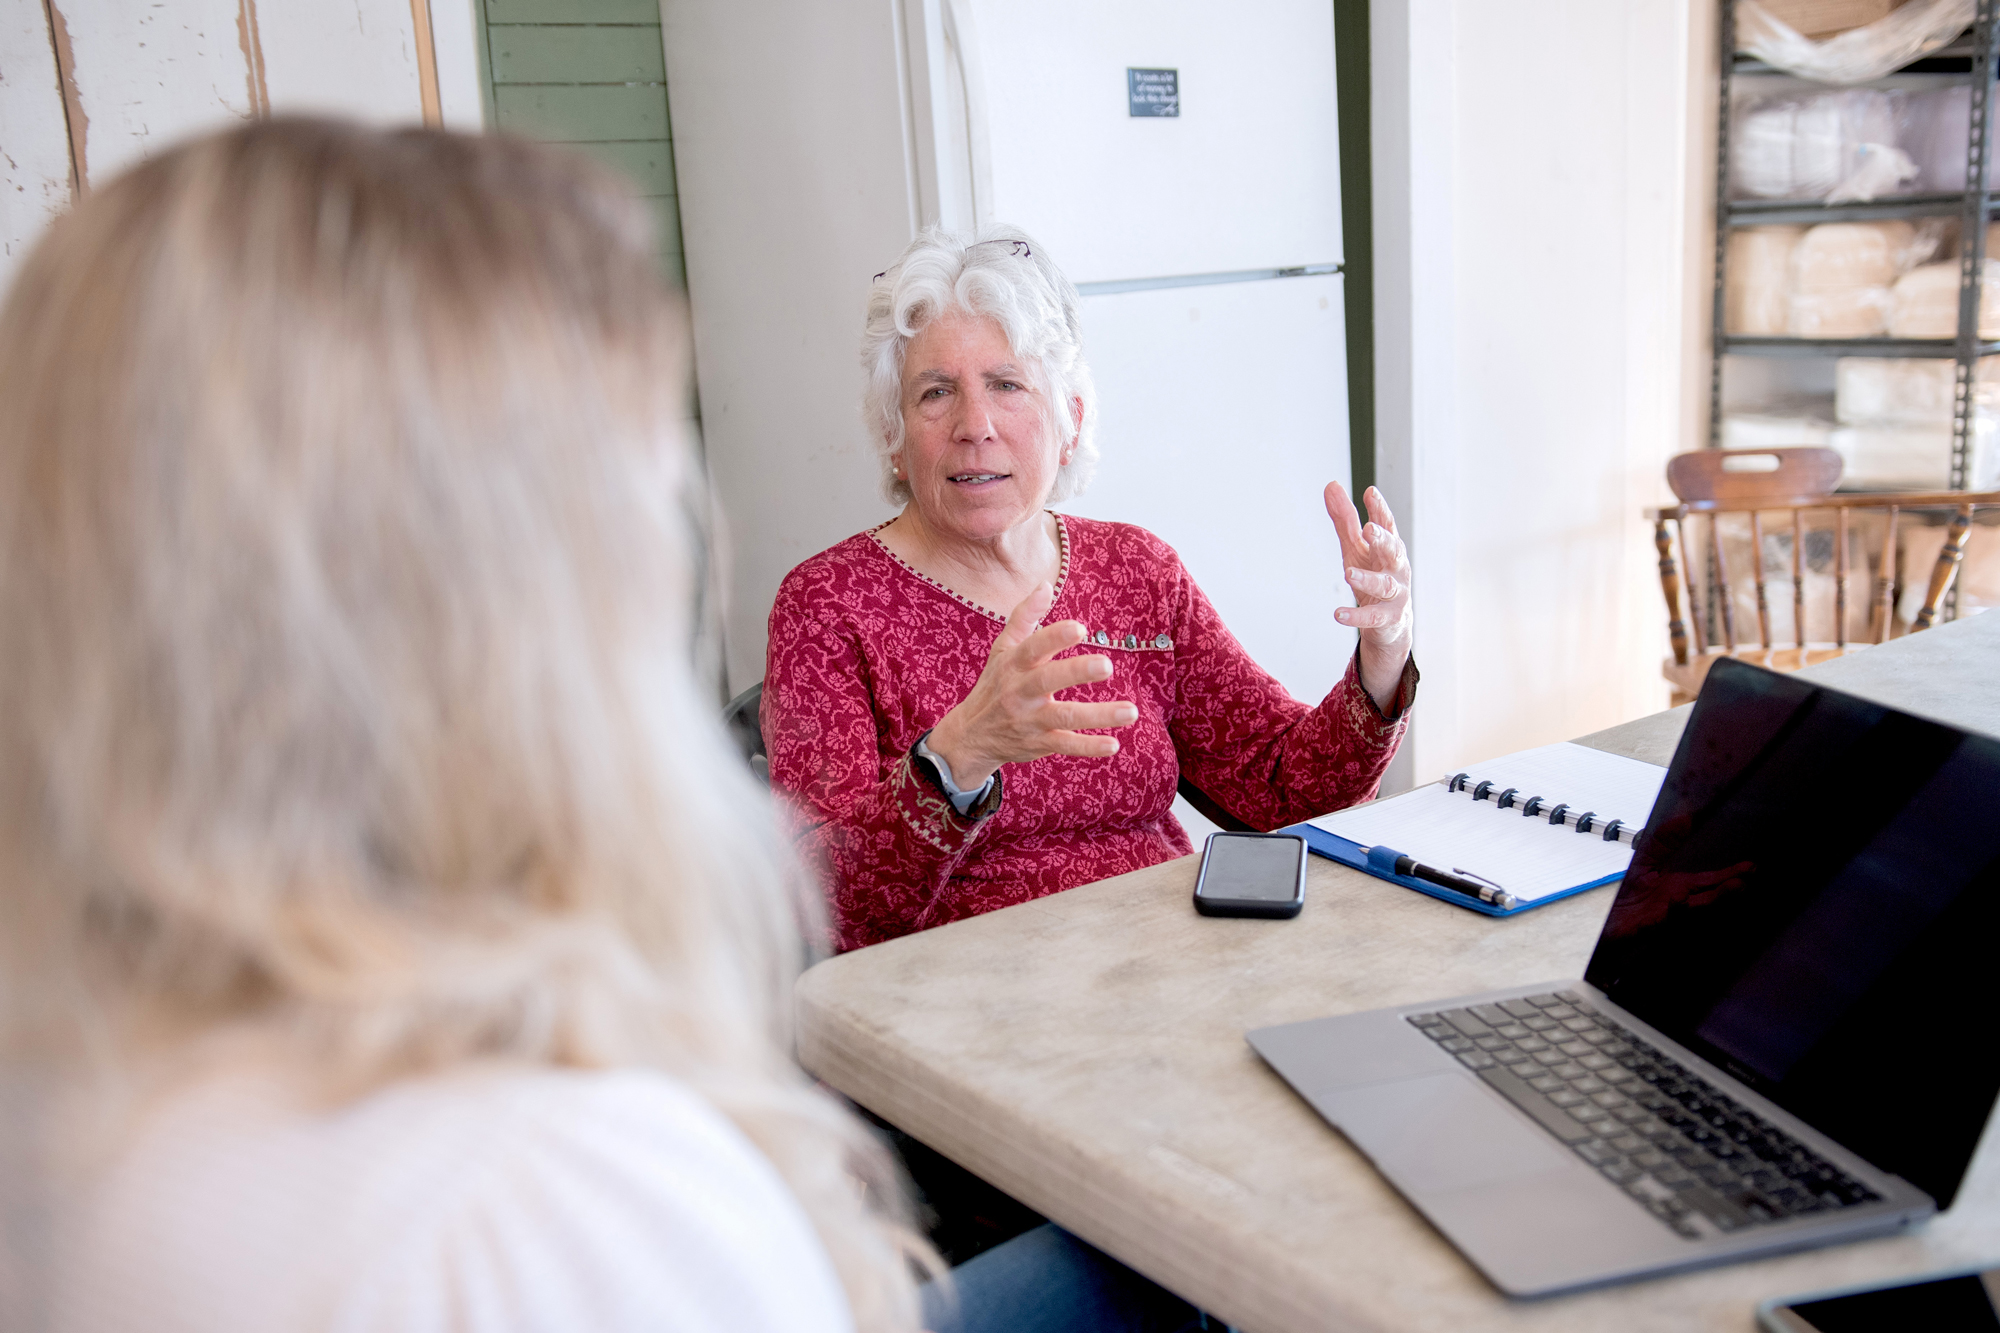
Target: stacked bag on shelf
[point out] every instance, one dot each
(1895, 423)
(1864, 39)
(1780, 426)
(1840, 278)
(1854, 143)
(1925, 301)
(1825, 145)
(1852, 280)
(1892, 417)
(1890, 421)
(1836, 280)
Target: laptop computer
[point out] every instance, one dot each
(1779, 1042)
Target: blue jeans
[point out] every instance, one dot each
(1048, 1281)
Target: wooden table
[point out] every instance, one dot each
(1085, 1053)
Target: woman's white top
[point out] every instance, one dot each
(482, 1200)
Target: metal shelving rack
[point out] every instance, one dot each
(1973, 58)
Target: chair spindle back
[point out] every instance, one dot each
(1715, 482)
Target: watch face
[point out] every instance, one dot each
(928, 759)
(933, 766)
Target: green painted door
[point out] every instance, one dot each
(590, 73)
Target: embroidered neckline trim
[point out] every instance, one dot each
(1062, 570)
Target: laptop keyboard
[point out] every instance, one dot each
(1694, 1157)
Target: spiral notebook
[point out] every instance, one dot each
(1541, 824)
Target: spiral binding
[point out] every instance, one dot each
(1614, 830)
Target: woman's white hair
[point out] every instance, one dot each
(1004, 274)
(347, 573)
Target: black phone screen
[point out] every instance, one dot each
(1963, 1304)
(1249, 867)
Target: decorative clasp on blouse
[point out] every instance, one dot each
(1153, 643)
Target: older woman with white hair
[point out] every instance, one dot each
(981, 701)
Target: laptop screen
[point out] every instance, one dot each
(1815, 907)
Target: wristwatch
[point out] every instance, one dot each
(978, 803)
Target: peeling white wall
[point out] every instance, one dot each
(147, 73)
(343, 57)
(34, 139)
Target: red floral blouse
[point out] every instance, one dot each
(866, 655)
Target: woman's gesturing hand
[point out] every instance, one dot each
(1378, 569)
(1012, 716)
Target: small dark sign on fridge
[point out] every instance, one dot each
(1154, 92)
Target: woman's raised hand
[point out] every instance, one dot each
(1012, 714)
(1378, 569)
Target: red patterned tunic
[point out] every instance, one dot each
(867, 655)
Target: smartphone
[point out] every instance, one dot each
(1963, 1302)
(1252, 874)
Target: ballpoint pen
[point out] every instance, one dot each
(1491, 894)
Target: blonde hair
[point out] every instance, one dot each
(346, 579)
(1004, 274)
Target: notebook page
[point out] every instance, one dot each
(1585, 779)
(1528, 857)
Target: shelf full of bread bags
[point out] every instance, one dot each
(1840, 280)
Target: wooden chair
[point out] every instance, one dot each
(1800, 482)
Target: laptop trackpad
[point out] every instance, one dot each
(1442, 1132)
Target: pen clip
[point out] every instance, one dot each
(1498, 896)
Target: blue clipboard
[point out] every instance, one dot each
(1352, 855)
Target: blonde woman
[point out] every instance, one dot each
(387, 938)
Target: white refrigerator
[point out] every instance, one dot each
(814, 137)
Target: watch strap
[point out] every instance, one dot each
(976, 804)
